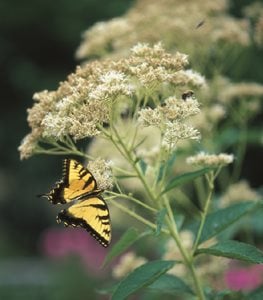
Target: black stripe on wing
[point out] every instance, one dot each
(69, 220)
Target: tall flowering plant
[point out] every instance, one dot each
(139, 117)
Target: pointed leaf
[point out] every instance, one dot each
(143, 165)
(235, 250)
(141, 277)
(167, 165)
(184, 178)
(170, 284)
(160, 173)
(159, 220)
(127, 239)
(220, 220)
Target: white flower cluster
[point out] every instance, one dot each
(171, 118)
(101, 170)
(210, 160)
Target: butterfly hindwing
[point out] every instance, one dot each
(91, 214)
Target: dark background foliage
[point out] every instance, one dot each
(38, 40)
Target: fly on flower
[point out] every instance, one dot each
(187, 94)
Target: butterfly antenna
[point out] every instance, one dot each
(42, 195)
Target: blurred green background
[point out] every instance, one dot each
(38, 40)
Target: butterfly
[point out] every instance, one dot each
(88, 210)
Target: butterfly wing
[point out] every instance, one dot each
(91, 214)
(77, 182)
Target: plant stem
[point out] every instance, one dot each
(205, 212)
(136, 216)
(187, 259)
(137, 201)
(128, 156)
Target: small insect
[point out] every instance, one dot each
(187, 94)
(199, 24)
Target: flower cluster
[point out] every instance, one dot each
(101, 170)
(237, 192)
(100, 92)
(128, 262)
(170, 117)
(166, 21)
(241, 91)
(210, 160)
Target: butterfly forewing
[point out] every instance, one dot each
(77, 183)
(80, 181)
(91, 214)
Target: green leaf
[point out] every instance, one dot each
(231, 136)
(222, 219)
(256, 294)
(143, 165)
(127, 239)
(167, 166)
(170, 284)
(141, 277)
(235, 250)
(184, 178)
(160, 173)
(159, 220)
(226, 295)
(171, 160)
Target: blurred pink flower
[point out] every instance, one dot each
(57, 243)
(244, 278)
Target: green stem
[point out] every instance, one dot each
(188, 260)
(205, 211)
(127, 154)
(169, 219)
(135, 200)
(136, 216)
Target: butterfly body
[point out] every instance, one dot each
(89, 210)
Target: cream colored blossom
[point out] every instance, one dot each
(172, 252)
(209, 117)
(101, 91)
(210, 160)
(128, 262)
(101, 171)
(167, 21)
(176, 131)
(211, 268)
(102, 35)
(259, 31)
(150, 117)
(238, 192)
(240, 91)
(152, 66)
(172, 120)
(176, 109)
(29, 144)
(112, 84)
(149, 154)
(231, 30)
(188, 77)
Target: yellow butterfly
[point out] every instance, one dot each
(89, 210)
